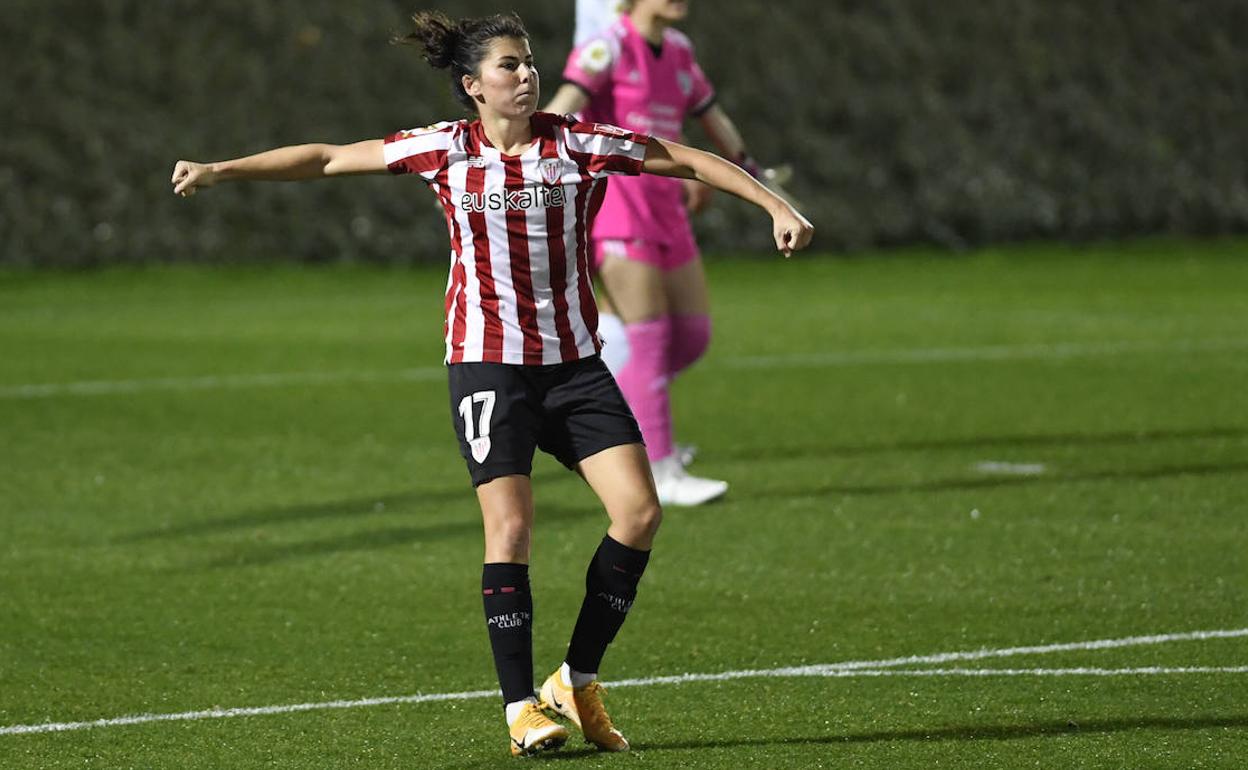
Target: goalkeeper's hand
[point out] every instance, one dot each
(697, 196)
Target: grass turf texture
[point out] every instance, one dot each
(183, 545)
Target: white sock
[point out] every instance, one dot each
(666, 467)
(513, 709)
(574, 678)
(615, 341)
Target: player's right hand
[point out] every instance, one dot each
(189, 176)
(792, 231)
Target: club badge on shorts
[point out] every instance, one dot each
(480, 448)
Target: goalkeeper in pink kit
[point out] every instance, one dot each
(640, 73)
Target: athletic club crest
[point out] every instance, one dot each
(685, 81)
(480, 448)
(552, 170)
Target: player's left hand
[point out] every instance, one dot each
(791, 230)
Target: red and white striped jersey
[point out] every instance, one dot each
(519, 290)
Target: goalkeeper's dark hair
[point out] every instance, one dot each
(459, 45)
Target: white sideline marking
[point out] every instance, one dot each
(1056, 350)
(138, 719)
(830, 669)
(1010, 469)
(278, 379)
(863, 668)
(798, 361)
(1143, 671)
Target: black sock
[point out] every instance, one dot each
(509, 619)
(610, 587)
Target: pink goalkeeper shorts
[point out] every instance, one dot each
(665, 256)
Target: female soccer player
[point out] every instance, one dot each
(519, 189)
(641, 74)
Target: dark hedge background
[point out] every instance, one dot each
(954, 122)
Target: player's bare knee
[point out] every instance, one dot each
(507, 540)
(638, 520)
(648, 517)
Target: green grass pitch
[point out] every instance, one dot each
(238, 488)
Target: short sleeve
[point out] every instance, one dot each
(603, 150)
(422, 151)
(589, 65)
(701, 92)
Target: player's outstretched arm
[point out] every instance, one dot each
(289, 164)
(727, 139)
(791, 230)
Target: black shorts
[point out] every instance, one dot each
(502, 412)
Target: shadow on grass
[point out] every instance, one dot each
(295, 514)
(261, 554)
(951, 733)
(974, 442)
(945, 485)
(349, 508)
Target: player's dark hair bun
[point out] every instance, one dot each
(436, 34)
(459, 45)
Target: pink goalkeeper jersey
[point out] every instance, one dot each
(519, 290)
(630, 86)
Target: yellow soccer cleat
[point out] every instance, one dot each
(533, 731)
(583, 706)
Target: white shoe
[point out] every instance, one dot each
(676, 487)
(687, 453)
